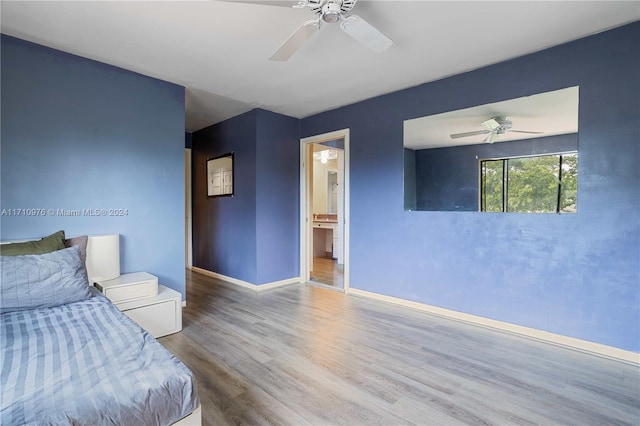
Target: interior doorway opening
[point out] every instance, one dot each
(324, 210)
(327, 206)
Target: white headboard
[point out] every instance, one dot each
(103, 257)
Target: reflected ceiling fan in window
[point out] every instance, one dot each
(330, 12)
(495, 127)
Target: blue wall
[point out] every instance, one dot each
(277, 197)
(224, 228)
(78, 134)
(446, 179)
(576, 275)
(252, 236)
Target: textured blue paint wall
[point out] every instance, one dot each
(252, 236)
(446, 179)
(575, 275)
(79, 134)
(277, 197)
(224, 228)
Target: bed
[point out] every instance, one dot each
(74, 358)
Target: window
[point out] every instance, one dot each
(536, 184)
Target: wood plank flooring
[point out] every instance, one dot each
(308, 355)
(327, 271)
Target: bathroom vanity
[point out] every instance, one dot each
(326, 237)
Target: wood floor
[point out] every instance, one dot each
(308, 355)
(327, 271)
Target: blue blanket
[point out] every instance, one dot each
(87, 363)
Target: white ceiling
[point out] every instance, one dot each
(219, 50)
(552, 113)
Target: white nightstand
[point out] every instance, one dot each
(160, 315)
(126, 287)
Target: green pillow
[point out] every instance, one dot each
(45, 245)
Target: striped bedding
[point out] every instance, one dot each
(87, 363)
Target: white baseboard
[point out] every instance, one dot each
(531, 333)
(245, 284)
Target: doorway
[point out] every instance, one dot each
(324, 209)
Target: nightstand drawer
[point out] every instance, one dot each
(160, 315)
(158, 319)
(136, 285)
(130, 292)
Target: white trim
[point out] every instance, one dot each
(188, 210)
(245, 284)
(304, 229)
(305, 225)
(531, 333)
(184, 303)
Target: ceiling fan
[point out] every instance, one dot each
(495, 127)
(330, 12)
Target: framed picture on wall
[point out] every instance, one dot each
(220, 176)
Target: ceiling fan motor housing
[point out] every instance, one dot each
(505, 125)
(331, 10)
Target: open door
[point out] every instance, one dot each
(324, 209)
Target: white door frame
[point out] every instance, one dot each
(306, 223)
(187, 209)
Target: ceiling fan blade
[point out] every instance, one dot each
(464, 135)
(491, 124)
(365, 33)
(525, 131)
(491, 137)
(295, 41)
(281, 3)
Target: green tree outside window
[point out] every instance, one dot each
(539, 184)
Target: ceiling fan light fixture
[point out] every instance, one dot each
(331, 13)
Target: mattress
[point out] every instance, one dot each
(87, 363)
